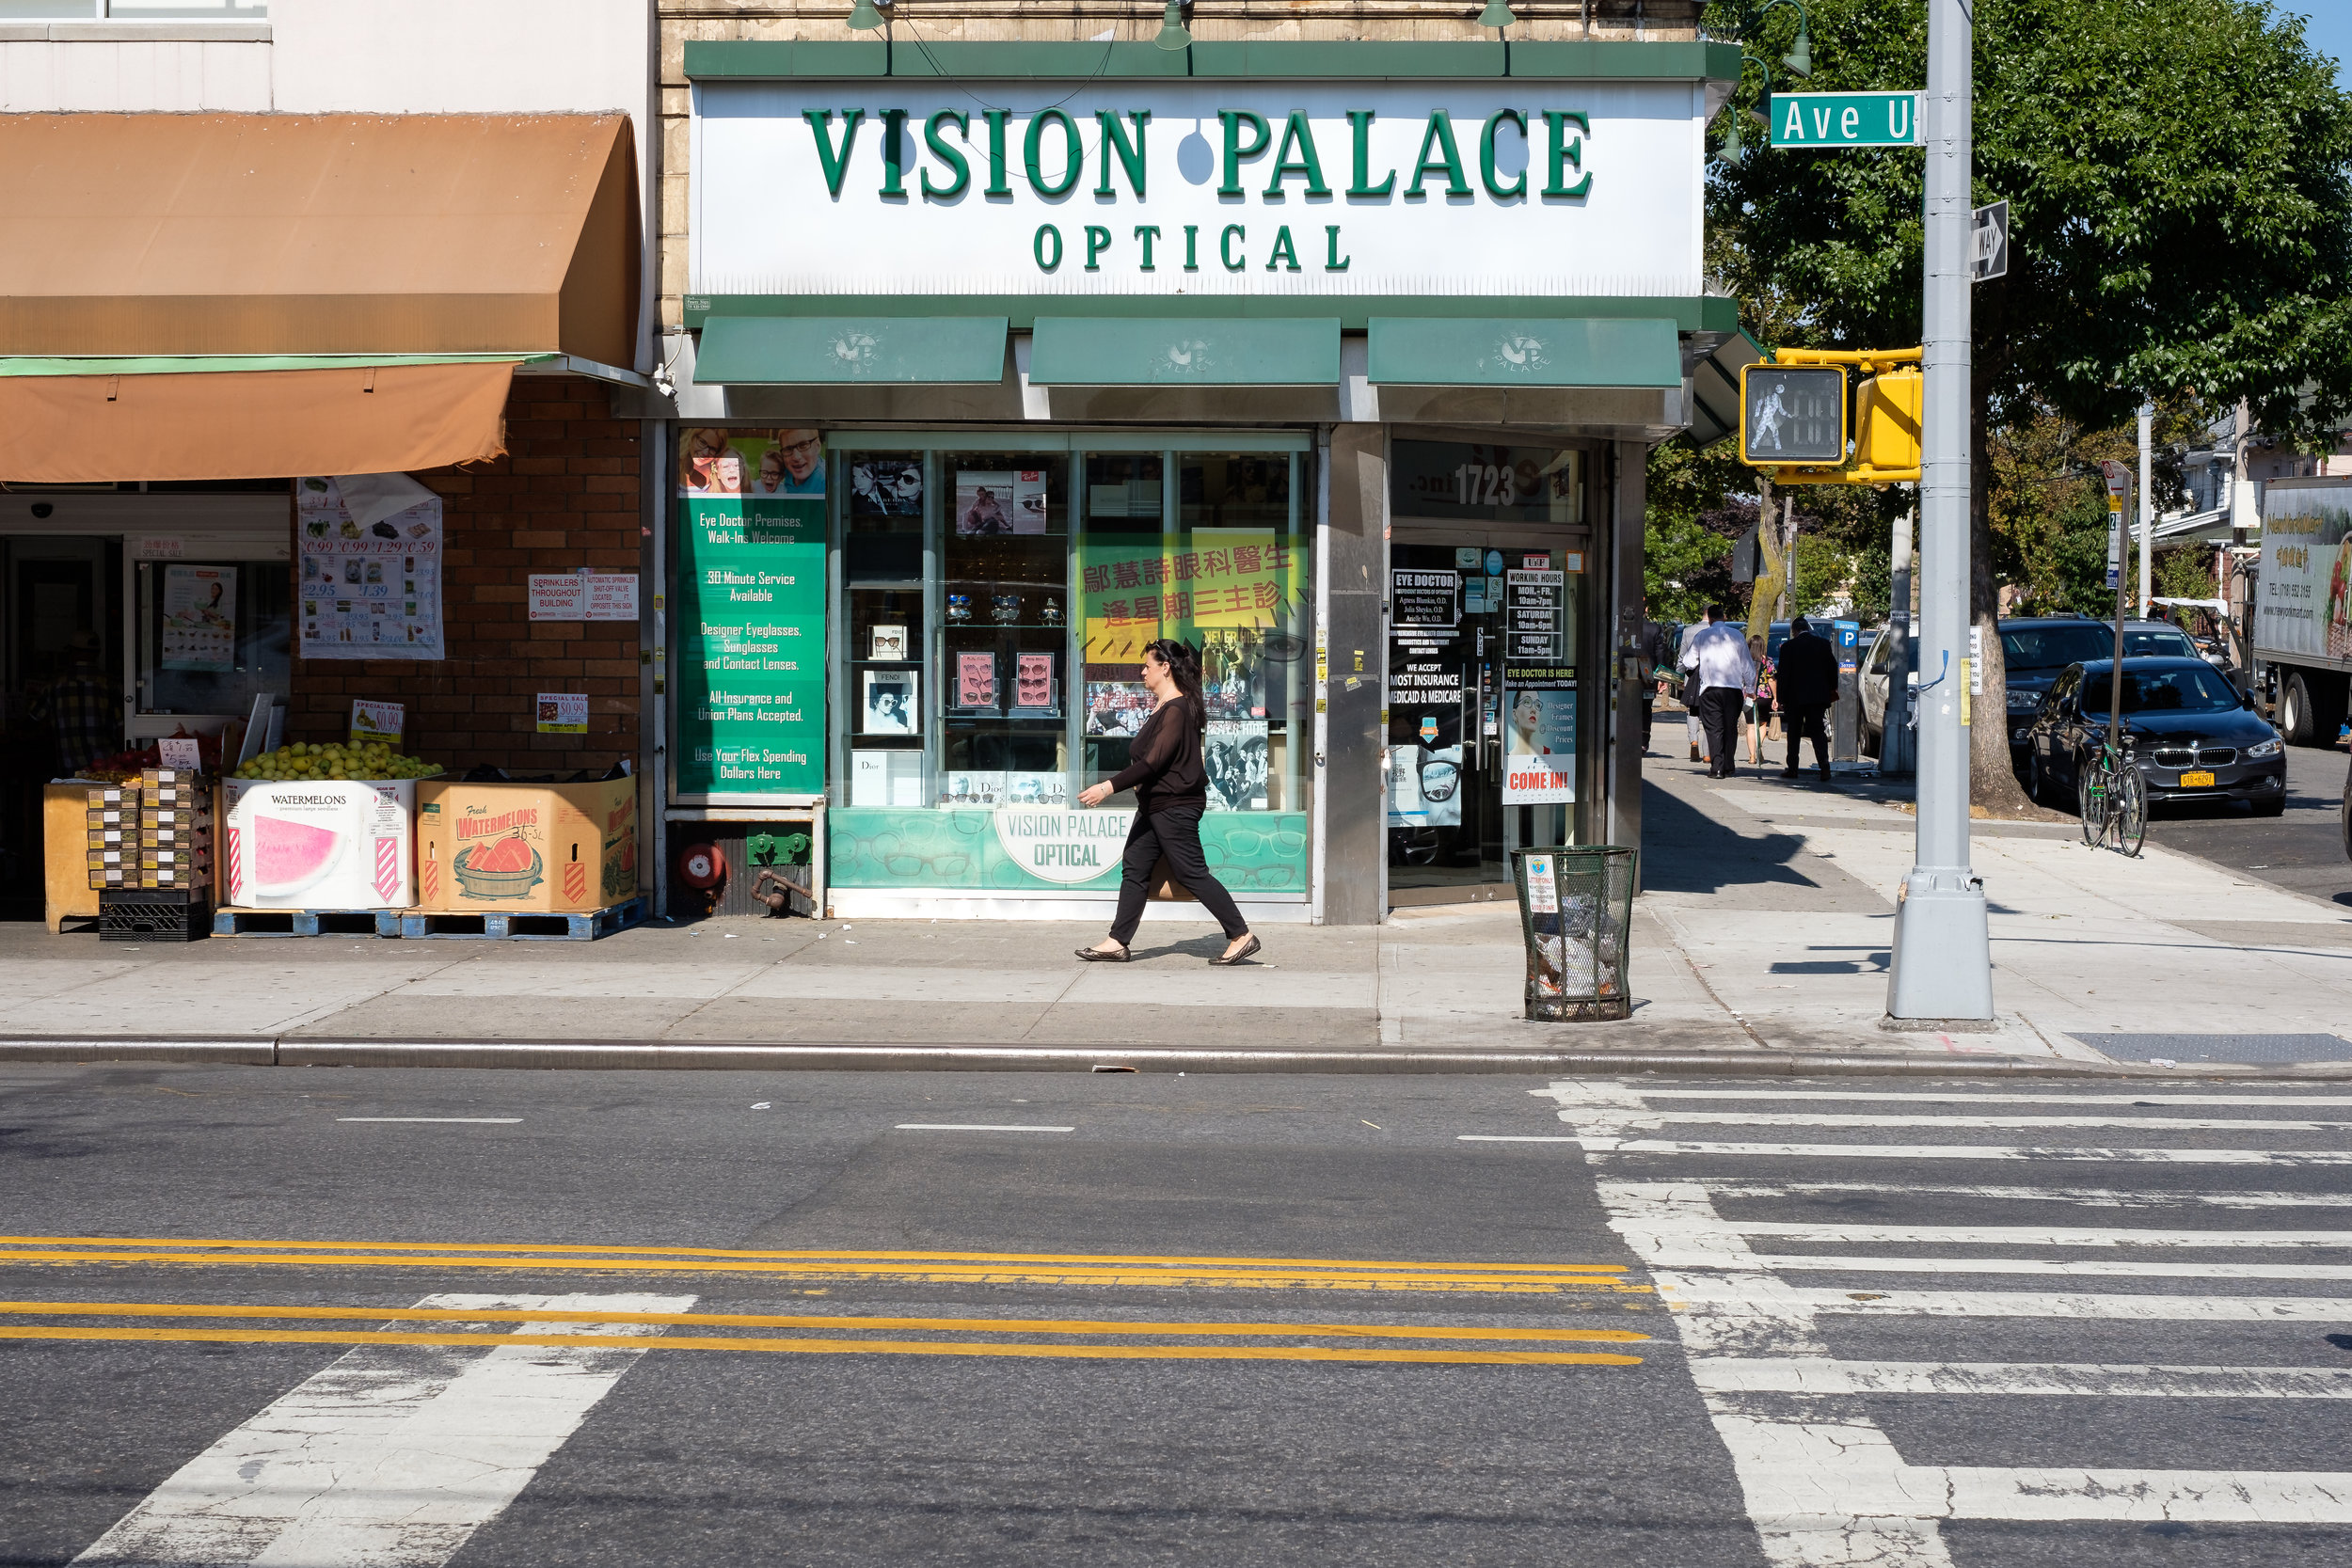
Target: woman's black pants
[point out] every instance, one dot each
(1173, 831)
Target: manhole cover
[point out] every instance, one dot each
(2221, 1048)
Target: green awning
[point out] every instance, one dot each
(1099, 351)
(1578, 351)
(851, 351)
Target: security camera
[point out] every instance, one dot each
(42, 509)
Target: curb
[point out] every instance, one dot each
(638, 1056)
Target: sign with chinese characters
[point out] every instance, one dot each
(750, 620)
(1168, 187)
(1137, 588)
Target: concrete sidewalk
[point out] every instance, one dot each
(1762, 938)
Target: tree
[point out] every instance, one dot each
(2180, 181)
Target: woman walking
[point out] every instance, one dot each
(1171, 787)
(1759, 705)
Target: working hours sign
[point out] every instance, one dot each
(751, 616)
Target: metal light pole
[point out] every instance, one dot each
(1943, 961)
(2147, 505)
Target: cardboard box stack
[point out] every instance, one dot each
(157, 833)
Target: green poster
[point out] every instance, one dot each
(751, 620)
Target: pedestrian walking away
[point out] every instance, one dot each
(1805, 682)
(1689, 695)
(1171, 785)
(1656, 659)
(1718, 667)
(1759, 705)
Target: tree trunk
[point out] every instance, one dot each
(1765, 596)
(1992, 781)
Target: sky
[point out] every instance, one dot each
(2329, 30)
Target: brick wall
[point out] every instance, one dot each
(565, 496)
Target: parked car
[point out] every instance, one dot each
(1872, 687)
(2195, 737)
(2036, 650)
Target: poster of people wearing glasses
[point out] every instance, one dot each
(715, 462)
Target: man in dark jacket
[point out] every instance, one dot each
(1656, 655)
(1805, 685)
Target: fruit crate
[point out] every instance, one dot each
(154, 914)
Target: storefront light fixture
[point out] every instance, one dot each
(1173, 35)
(1800, 60)
(866, 15)
(1497, 15)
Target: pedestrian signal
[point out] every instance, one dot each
(1792, 415)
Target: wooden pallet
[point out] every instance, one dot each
(501, 926)
(306, 923)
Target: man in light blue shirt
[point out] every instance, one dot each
(1718, 676)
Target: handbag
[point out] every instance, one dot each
(1166, 889)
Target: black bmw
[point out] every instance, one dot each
(2195, 737)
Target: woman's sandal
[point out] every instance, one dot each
(1096, 956)
(1247, 948)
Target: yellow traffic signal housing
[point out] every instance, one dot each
(1886, 422)
(1795, 424)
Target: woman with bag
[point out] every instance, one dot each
(1760, 703)
(1171, 785)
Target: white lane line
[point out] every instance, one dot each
(1599, 1117)
(1930, 1099)
(1805, 1374)
(974, 1126)
(1735, 1295)
(2091, 1198)
(484, 1122)
(1516, 1138)
(2027, 1235)
(391, 1457)
(1970, 1152)
(2183, 1497)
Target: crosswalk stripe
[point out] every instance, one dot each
(1598, 1118)
(1814, 1375)
(1734, 1293)
(1929, 1097)
(2100, 1197)
(392, 1457)
(2084, 1268)
(2029, 1235)
(1601, 1145)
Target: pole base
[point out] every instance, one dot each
(1943, 953)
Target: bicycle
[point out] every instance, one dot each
(2113, 798)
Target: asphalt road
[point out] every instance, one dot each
(620, 1319)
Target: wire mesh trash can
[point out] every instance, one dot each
(1576, 910)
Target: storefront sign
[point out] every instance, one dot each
(1066, 848)
(1533, 616)
(583, 596)
(1160, 187)
(371, 590)
(1138, 589)
(1539, 741)
(1429, 599)
(751, 620)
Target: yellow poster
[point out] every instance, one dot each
(1136, 588)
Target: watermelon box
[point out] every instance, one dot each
(319, 845)
(542, 848)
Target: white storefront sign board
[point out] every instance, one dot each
(769, 217)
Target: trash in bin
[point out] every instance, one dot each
(1576, 910)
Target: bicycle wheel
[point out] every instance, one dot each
(2131, 809)
(2091, 798)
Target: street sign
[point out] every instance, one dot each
(1846, 120)
(1989, 259)
(1792, 414)
(2119, 478)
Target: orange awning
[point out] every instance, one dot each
(150, 236)
(250, 424)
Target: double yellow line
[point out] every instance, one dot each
(900, 1267)
(1069, 1344)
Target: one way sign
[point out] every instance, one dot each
(1990, 257)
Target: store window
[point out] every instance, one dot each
(996, 605)
(214, 631)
